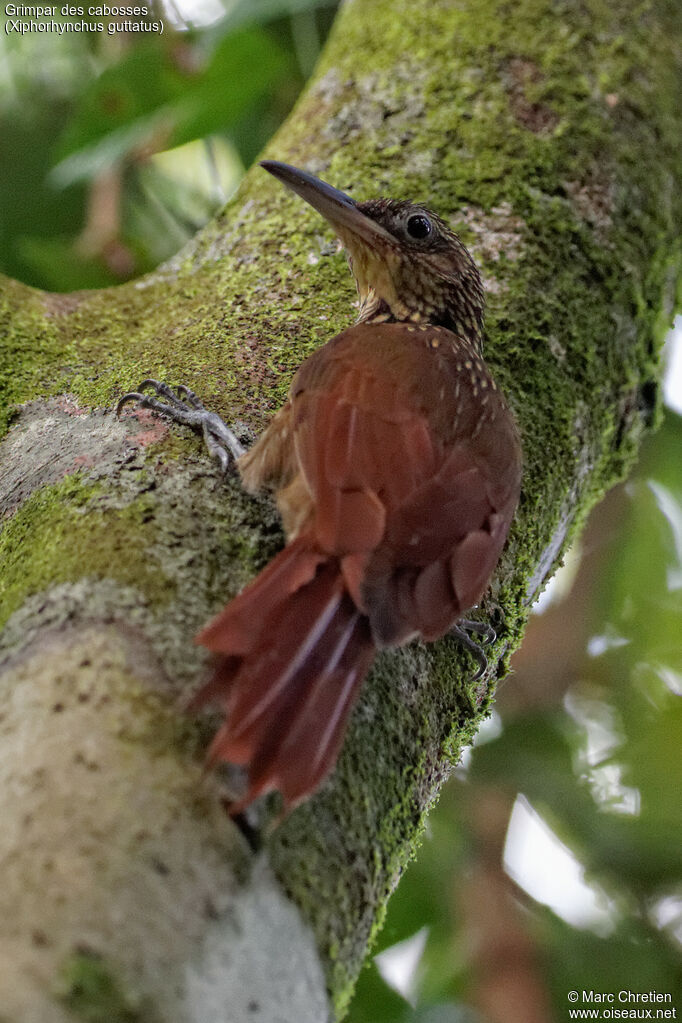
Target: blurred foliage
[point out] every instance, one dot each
(603, 772)
(113, 151)
(77, 108)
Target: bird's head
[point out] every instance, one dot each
(408, 265)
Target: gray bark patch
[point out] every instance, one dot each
(52, 439)
(254, 982)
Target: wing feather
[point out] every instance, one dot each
(406, 502)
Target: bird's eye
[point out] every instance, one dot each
(419, 226)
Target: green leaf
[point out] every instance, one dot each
(247, 12)
(634, 958)
(58, 264)
(244, 68)
(148, 99)
(28, 206)
(641, 592)
(375, 1001)
(143, 83)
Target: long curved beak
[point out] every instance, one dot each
(342, 212)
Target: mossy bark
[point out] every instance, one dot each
(547, 133)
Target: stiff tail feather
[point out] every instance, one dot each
(292, 650)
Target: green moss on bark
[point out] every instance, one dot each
(71, 534)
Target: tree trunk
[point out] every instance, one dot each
(547, 133)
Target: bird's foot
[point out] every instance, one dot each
(221, 442)
(486, 635)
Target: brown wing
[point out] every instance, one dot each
(392, 440)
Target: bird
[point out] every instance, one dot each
(396, 466)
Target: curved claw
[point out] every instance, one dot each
(461, 631)
(130, 396)
(484, 631)
(144, 399)
(192, 398)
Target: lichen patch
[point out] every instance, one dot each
(498, 235)
(521, 78)
(56, 304)
(593, 200)
(55, 438)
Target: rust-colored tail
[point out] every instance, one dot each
(292, 651)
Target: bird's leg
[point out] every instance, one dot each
(461, 631)
(220, 440)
